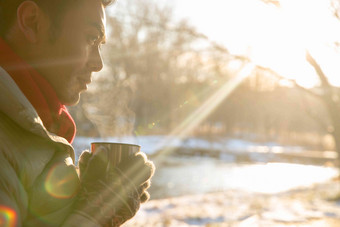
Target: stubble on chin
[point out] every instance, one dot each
(72, 92)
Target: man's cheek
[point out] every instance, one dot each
(73, 83)
(82, 53)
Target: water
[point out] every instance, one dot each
(182, 176)
(188, 175)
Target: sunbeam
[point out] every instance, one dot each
(201, 113)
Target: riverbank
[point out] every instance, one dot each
(305, 206)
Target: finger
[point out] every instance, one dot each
(130, 205)
(146, 185)
(144, 197)
(83, 161)
(137, 160)
(137, 169)
(96, 166)
(143, 174)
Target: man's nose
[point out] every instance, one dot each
(95, 62)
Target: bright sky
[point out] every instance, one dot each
(273, 37)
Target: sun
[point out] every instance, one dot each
(292, 29)
(274, 37)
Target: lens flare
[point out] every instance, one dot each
(8, 217)
(60, 182)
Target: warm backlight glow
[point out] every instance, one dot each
(289, 31)
(273, 37)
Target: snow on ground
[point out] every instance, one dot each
(302, 205)
(299, 207)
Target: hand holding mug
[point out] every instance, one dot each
(114, 179)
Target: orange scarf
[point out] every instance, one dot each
(39, 92)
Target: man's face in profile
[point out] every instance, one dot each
(74, 53)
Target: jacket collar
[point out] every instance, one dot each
(17, 107)
(39, 92)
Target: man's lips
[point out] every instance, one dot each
(84, 82)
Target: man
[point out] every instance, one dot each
(48, 50)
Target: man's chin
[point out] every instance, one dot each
(71, 100)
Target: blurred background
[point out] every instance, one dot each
(237, 102)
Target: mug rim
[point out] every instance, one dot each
(114, 143)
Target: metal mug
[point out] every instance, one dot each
(115, 152)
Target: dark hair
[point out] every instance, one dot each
(54, 8)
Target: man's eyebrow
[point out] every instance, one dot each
(100, 29)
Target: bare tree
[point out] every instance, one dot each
(327, 93)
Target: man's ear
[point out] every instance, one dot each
(29, 16)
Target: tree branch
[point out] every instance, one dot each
(290, 80)
(324, 81)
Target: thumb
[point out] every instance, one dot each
(83, 161)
